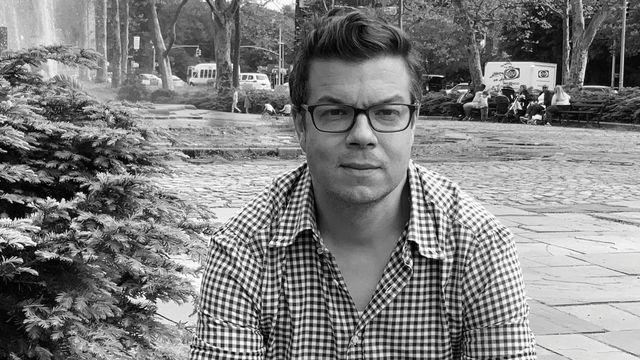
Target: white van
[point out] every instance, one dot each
(202, 74)
(257, 81)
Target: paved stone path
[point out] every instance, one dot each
(571, 197)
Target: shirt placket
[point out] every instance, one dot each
(343, 312)
(396, 276)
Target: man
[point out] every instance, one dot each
(360, 253)
(545, 96)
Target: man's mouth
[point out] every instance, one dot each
(360, 166)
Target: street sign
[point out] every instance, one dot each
(136, 42)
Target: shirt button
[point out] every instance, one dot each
(322, 251)
(355, 340)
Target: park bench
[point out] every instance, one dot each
(588, 111)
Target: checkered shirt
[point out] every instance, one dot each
(452, 289)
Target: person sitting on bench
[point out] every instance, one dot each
(560, 100)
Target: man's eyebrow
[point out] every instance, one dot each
(329, 99)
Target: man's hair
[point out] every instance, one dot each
(351, 35)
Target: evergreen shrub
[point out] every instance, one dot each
(162, 96)
(435, 103)
(87, 241)
(133, 92)
(623, 107)
(221, 101)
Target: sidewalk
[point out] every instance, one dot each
(570, 196)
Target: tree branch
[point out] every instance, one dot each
(172, 26)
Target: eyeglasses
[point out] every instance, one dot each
(339, 118)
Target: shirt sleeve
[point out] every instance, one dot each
(228, 312)
(496, 324)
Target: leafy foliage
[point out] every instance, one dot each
(623, 107)
(86, 239)
(436, 103)
(221, 100)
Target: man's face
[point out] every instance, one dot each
(360, 166)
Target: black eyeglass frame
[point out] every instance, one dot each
(356, 112)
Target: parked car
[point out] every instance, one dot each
(149, 80)
(460, 89)
(177, 82)
(432, 82)
(257, 81)
(599, 88)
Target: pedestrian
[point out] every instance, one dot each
(234, 101)
(360, 252)
(247, 102)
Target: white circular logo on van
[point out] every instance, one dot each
(512, 73)
(543, 73)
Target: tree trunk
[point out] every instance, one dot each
(236, 50)
(475, 66)
(223, 14)
(473, 48)
(116, 70)
(101, 39)
(222, 39)
(582, 39)
(88, 34)
(124, 37)
(161, 50)
(566, 45)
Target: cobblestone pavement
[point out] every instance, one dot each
(571, 197)
(530, 184)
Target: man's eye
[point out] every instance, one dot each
(387, 112)
(336, 112)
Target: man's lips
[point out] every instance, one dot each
(360, 166)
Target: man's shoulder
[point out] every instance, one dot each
(457, 206)
(261, 214)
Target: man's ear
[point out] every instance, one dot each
(301, 128)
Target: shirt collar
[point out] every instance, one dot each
(299, 213)
(426, 226)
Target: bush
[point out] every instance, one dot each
(435, 103)
(623, 107)
(86, 238)
(162, 95)
(260, 97)
(133, 92)
(221, 101)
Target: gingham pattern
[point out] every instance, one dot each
(452, 289)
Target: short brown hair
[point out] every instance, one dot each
(351, 35)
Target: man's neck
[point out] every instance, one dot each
(370, 225)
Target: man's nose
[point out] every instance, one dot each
(362, 134)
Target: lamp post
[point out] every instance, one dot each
(622, 43)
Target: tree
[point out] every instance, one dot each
(478, 19)
(124, 36)
(223, 13)
(116, 57)
(577, 34)
(101, 39)
(86, 238)
(161, 49)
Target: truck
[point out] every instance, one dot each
(499, 74)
